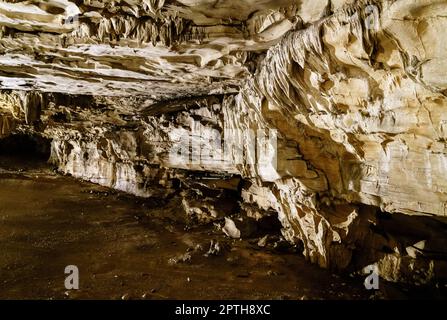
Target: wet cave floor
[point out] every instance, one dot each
(131, 248)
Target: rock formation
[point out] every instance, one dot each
(329, 115)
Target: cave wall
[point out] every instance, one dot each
(354, 92)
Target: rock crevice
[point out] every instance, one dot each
(327, 114)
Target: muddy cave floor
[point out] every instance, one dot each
(131, 248)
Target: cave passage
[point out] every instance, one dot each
(120, 244)
(133, 248)
(274, 149)
(25, 146)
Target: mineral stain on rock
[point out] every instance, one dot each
(132, 248)
(312, 129)
(127, 247)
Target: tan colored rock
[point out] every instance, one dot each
(230, 229)
(354, 92)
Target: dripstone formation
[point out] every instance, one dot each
(350, 96)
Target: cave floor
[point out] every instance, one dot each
(131, 248)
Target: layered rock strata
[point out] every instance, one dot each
(327, 114)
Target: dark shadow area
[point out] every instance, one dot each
(26, 146)
(126, 248)
(414, 246)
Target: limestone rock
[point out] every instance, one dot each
(328, 114)
(230, 229)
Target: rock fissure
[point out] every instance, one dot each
(329, 115)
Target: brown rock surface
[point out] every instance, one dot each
(354, 92)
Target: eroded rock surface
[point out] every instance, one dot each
(146, 97)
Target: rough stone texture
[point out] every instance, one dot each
(355, 90)
(366, 108)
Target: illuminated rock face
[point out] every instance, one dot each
(153, 97)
